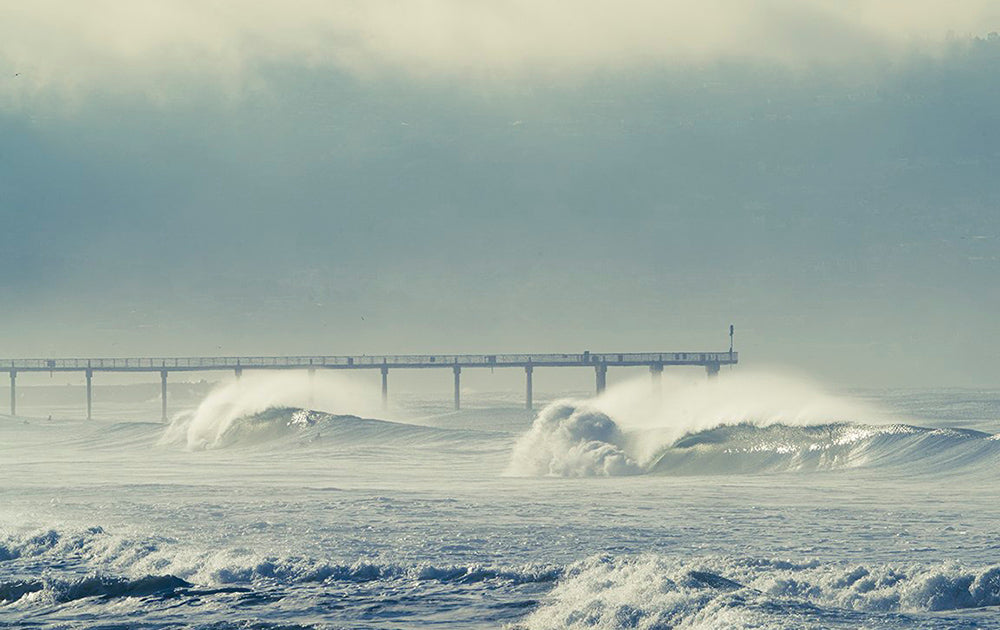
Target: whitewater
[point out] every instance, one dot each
(753, 500)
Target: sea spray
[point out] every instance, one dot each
(654, 418)
(252, 394)
(572, 440)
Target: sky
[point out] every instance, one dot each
(341, 177)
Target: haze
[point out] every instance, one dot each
(312, 177)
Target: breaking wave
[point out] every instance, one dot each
(574, 442)
(252, 409)
(304, 426)
(653, 592)
(746, 426)
(571, 441)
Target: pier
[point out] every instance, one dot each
(600, 362)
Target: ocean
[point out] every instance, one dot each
(748, 501)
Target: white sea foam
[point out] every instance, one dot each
(652, 592)
(604, 591)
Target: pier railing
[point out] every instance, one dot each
(155, 364)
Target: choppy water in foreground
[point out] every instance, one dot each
(607, 514)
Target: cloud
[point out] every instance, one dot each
(159, 46)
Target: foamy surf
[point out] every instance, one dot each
(655, 592)
(102, 566)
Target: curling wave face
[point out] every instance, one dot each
(747, 448)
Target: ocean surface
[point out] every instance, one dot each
(749, 501)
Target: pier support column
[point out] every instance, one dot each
(712, 369)
(385, 387)
(528, 403)
(163, 394)
(90, 393)
(602, 377)
(458, 387)
(656, 375)
(528, 369)
(312, 387)
(239, 372)
(13, 392)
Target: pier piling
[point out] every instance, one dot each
(656, 376)
(13, 392)
(385, 387)
(90, 393)
(163, 394)
(528, 369)
(312, 387)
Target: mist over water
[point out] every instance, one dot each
(752, 500)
